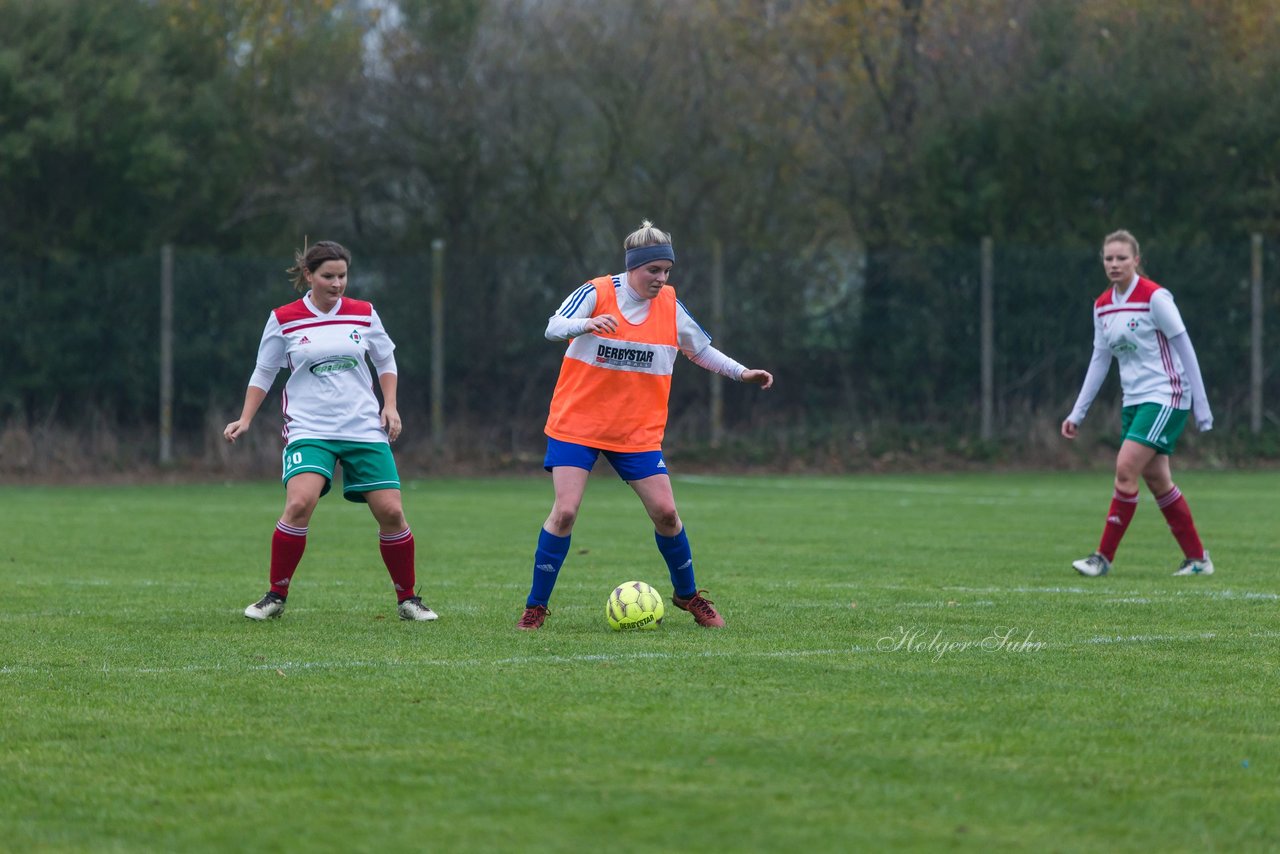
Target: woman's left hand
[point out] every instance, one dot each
(755, 376)
(391, 423)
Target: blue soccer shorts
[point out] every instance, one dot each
(629, 466)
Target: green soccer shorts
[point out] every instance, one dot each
(1153, 425)
(366, 466)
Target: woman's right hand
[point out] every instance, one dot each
(1069, 428)
(602, 323)
(235, 430)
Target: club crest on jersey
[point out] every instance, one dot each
(1132, 324)
(355, 335)
(334, 365)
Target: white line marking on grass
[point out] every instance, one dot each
(854, 485)
(361, 664)
(1103, 591)
(1150, 638)
(1228, 594)
(984, 603)
(828, 485)
(1088, 591)
(587, 658)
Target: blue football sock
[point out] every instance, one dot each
(679, 557)
(547, 560)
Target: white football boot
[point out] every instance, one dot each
(1093, 565)
(1196, 566)
(413, 609)
(271, 605)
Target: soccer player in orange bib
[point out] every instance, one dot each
(624, 332)
(331, 415)
(1136, 322)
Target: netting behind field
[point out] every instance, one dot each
(856, 340)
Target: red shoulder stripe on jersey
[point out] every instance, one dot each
(1143, 291)
(298, 310)
(355, 306)
(295, 310)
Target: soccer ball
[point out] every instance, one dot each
(634, 605)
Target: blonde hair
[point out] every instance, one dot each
(646, 235)
(308, 260)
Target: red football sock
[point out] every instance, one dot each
(287, 545)
(1123, 506)
(1178, 515)
(397, 554)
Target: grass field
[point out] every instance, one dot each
(910, 664)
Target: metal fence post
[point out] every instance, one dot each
(437, 342)
(717, 323)
(1255, 336)
(166, 354)
(987, 332)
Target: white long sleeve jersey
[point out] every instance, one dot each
(1143, 330)
(1136, 327)
(570, 321)
(329, 394)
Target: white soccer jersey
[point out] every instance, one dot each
(330, 393)
(1136, 327)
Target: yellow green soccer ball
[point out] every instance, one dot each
(633, 606)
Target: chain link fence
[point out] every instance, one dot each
(871, 351)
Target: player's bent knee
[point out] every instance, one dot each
(562, 518)
(392, 521)
(297, 511)
(665, 518)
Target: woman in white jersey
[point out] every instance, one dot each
(1136, 322)
(331, 415)
(624, 332)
